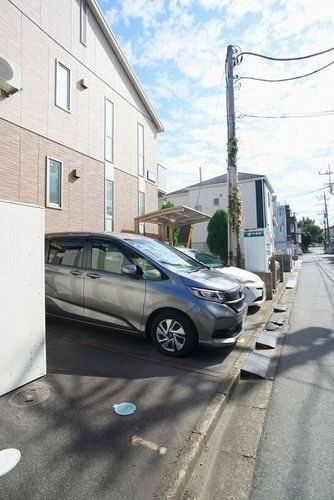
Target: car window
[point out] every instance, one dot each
(66, 253)
(107, 256)
(150, 272)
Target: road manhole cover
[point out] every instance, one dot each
(30, 396)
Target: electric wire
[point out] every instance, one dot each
(285, 58)
(283, 79)
(314, 114)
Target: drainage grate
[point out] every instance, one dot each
(256, 365)
(291, 283)
(30, 396)
(277, 319)
(280, 308)
(265, 341)
(271, 326)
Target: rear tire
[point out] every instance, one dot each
(173, 334)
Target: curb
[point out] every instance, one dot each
(175, 483)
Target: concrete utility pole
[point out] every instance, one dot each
(327, 236)
(329, 172)
(232, 173)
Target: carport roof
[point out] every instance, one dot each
(175, 216)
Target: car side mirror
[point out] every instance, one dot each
(131, 270)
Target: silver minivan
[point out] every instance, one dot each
(135, 284)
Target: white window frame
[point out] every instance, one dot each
(140, 141)
(47, 177)
(107, 216)
(60, 63)
(106, 136)
(144, 198)
(83, 22)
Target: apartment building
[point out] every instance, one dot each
(210, 195)
(77, 132)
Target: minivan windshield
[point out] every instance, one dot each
(165, 255)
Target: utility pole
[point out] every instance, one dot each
(234, 256)
(329, 172)
(327, 236)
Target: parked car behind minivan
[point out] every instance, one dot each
(255, 289)
(135, 284)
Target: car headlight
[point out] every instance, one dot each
(249, 282)
(211, 295)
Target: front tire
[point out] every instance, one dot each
(173, 334)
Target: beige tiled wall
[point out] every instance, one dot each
(22, 178)
(34, 33)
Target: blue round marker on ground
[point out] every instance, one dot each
(124, 408)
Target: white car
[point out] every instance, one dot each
(255, 289)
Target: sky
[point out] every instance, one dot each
(177, 49)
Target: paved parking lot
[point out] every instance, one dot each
(73, 444)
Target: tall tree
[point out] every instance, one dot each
(311, 233)
(217, 234)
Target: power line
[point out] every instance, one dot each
(283, 79)
(308, 192)
(314, 114)
(284, 58)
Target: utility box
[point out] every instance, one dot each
(257, 249)
(22, 309)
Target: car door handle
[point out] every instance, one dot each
(93, 276)
(76, 273)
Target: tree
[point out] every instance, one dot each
(217, 234)
(311, 233)
(176, 230)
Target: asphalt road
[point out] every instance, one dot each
(74, 446)
(296, 453)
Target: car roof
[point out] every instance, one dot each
(121, 236)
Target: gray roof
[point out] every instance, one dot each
(221, 179)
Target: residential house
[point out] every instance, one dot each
(287, 235)
(209, 195)
(77, 131)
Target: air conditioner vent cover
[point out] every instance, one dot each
(6, 71)
(10, 76)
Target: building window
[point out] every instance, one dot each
(63, 86)
(216, 202)
(140, 148)
(109, 130)
(54, 183)
(109, 226)
(83, 22)
(141, 211)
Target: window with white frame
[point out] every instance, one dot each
(109, 130)
(140, 148)
(63, 86)
(141, 211)
(141, 203)
(54, 183)
(109, 221)
(83, 22)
